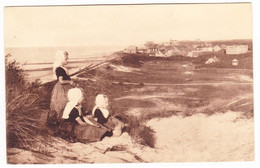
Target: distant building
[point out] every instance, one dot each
(207, 49)
(166, 44)
(131, 49)
(195, 46)
(142, 50)
(234, 62)
(194, 53)
(159, 54)
(207, 44)
(152, 50)
(212, 60)
(172, 52)
(174, 42)
(216, 48)
(236, 49)
(223, 46)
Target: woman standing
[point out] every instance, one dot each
(60, 90)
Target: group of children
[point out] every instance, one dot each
(66, 101)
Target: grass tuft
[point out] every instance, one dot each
(25, 126)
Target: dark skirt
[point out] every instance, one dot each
(58, 102)
(73, 132)
(115, 125)
(88, 133)
(113, 122)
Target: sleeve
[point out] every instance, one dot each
(74, 114)
(60, 72)
(100, 118)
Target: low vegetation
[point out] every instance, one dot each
(27, 103)
(25, 128)
(208, 99)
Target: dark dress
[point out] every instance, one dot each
(100, 118)
(58, 98)
(82, 133)
(111, 122)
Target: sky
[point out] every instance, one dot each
(124, 24)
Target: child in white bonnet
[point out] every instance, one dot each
(101, 114)
(79, 126)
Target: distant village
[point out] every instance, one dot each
(189, 48)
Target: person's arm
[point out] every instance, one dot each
(65, 81)
(79, 121)
(89, 122)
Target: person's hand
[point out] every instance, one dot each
(83, 123)
(98, 126)
(72, 83)
(94, 125)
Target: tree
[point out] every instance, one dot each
(151, 45)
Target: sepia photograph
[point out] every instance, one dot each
(129, 83)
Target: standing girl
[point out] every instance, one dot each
(59, 92)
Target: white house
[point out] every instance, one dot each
(216, 48)
(236, 49)
(194, 53)
(159, 54)
(173, 52)
(174, 42)
(234, 62)
(207, 49)
(131, 49)
(195, 46)
(212, 60)
(142, 50)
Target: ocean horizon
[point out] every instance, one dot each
(37, 62)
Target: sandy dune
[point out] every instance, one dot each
(220, 137)
(196, 138)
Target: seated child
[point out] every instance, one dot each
(76, 124)
(102, 116)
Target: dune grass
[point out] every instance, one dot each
(209, 99)
(25, 127)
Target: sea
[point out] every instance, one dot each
(37, 62)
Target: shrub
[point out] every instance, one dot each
(23, 113)
(131, 60)
(22, 120)
(137, 129)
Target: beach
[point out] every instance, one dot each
(37, 62)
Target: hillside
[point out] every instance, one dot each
(177, 109)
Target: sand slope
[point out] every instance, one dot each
(220, 137)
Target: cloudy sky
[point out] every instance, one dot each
(124, 24)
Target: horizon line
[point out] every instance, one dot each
(195, 40)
